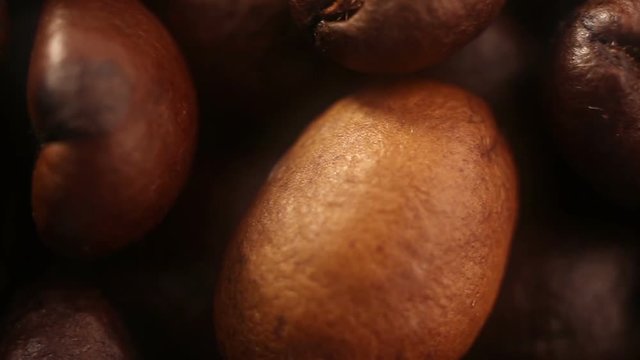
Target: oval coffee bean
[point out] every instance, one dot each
(65, 322)
(111, 99)
(381, 36)
(382, 234)
(597, 99)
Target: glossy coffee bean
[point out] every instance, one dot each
(112, 102)
(64, 322)
(382, 36)
(597, 100)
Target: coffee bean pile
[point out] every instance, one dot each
(320, 179)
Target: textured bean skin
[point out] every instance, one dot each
(381, 36)
(381, 234)
(596, 98)
(112, 102)
(65, 322)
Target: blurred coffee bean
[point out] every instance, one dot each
(571, 292)
(246, 55)
(64, 321)
(542, 18)
(492, 65)
(163, 286)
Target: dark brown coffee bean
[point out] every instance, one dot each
(382, 36)
(112, 101)
(598, 104)
(549, 15)
(64, 322)
(491, 65)
(166, 282)
(246, 55)
(570, 292)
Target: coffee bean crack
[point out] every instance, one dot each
(340, 10)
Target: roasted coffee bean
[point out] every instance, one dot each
(492, 65)
(246, 56)
(64, 322)
(112, 102)
(596, 84)
(571, 292)
(381, 36)
(382, 233)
